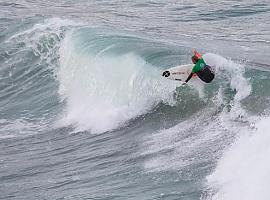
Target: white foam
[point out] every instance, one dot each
(243, 171)
(43, 39)
(201, 137)
(51, 25)
(233, 71)
(183, 144)
(103, 91)
(21, 127)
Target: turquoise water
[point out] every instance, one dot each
(85, 113)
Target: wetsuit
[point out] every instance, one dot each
(202, 70)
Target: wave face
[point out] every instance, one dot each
(86, 114)
(106, 82)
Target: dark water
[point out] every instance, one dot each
(85, 114)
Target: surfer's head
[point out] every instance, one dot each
(194, 59)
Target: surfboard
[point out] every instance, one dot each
(178, 73)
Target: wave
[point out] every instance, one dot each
(104, 86)
(242, 172)
(108, 79)
(101, 79)
(29, 98)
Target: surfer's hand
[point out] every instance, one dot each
(184, 83)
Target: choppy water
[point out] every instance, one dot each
(85, 114)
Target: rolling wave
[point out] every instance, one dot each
(103, 78)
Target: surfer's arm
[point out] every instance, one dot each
(189, 77)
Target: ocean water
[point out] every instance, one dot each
(85, 113)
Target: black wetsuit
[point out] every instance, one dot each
(205, 74)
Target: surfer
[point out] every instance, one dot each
(201, 69)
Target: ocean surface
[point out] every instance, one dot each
(86, 114)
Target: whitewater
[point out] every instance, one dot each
(86, 114)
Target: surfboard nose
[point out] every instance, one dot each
(166, 73)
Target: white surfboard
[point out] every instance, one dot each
(178, 73)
